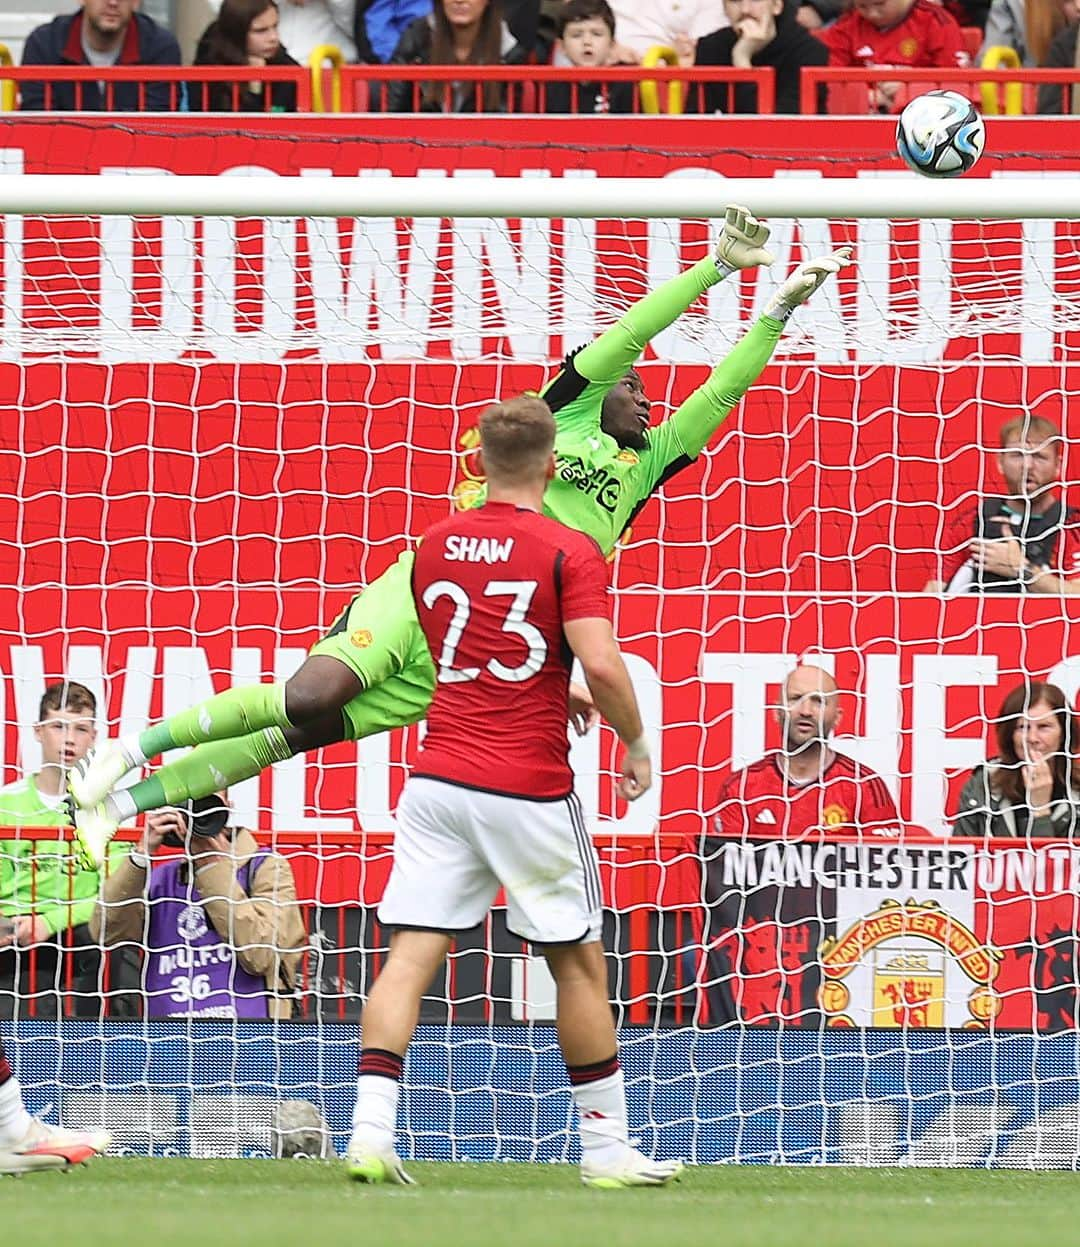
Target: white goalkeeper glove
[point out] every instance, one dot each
(742, 241)
(807, 278)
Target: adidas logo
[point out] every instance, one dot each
(767, 817)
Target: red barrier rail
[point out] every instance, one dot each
(850, 90)
(365, 87)
(161, 88)
(522, 88)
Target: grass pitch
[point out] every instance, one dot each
(187, 1203)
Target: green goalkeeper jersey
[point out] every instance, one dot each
(599, 486)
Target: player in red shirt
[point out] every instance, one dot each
(806, 784)
(917, 33)
(1024, 541)
(506, 598)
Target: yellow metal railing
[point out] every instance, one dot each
(650, 92)
(1001, 58)
(8, 94)
(317, 61)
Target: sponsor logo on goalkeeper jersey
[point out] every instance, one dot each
(595, 482)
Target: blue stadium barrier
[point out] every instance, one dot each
(477, 1093)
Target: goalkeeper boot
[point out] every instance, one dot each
(92, 779)
(370, 1161)
(52, 1147)
(93, 831)
(629, 1168)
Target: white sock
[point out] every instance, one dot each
(14, 1119)
(121, 805)
(601, 1109)
(130, 747)
(375, 1114)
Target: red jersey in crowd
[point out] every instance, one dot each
(1051, 540)
(928, 37)
(493, 588)
(762, 801)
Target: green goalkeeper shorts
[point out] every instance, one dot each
(378, 637)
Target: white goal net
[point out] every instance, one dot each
(223, 414)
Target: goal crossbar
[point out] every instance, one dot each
(889, 198)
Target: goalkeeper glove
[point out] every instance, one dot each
(804, 281)
(742, 241)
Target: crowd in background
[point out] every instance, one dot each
(590, 35)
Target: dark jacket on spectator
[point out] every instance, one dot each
(218, 96)
(592, 97)
(1055, 97)
(414, 48)
(986, 812)
(531, 22)
(792, 48)
(59, 42)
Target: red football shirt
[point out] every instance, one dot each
(493, 588)
(759, 801)
(929, 37)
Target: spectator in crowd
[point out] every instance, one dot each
(244, 33)
(218, 922)
(676, 24)
(102, 33)
(309, 24)
(1026, 541)
(1032, 787)
(760, 32)
(46, 898)
(1063, 53)
(587, 37)
(380, 25)
(884, 33)
(806, 783)
(1028, 27)
(813, 16)
(458, 32)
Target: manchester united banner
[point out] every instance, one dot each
(845, 933)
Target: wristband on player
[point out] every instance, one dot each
(724, 270)
(139, 860)
(638, 749)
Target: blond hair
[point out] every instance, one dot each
(1036, 429)
(517, 438)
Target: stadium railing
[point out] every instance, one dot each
(848, 90)
(362, 88)
(187, 85)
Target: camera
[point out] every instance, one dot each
(203, 817)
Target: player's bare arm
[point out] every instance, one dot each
(593, 643)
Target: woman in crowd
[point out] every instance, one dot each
(1032, 788)
(244, 34)
(458, 32)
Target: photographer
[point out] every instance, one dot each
(219, 923)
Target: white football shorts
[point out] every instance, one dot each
(455, 847)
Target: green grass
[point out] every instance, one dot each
(169, 1203)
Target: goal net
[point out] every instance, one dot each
(231, 406)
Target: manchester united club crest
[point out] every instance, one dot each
(914, 950)
(192, 922)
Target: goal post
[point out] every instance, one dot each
(230, 400)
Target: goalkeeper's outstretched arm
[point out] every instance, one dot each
(694, 423)
(614, 353)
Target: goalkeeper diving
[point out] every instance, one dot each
(372, 672)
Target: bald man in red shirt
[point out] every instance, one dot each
(915, 33)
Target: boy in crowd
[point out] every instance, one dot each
(587, 37)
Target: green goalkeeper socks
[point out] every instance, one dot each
(237, 712)
(210, 768)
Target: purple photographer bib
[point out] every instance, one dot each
(190, 970)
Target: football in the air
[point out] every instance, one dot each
(940, 134)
